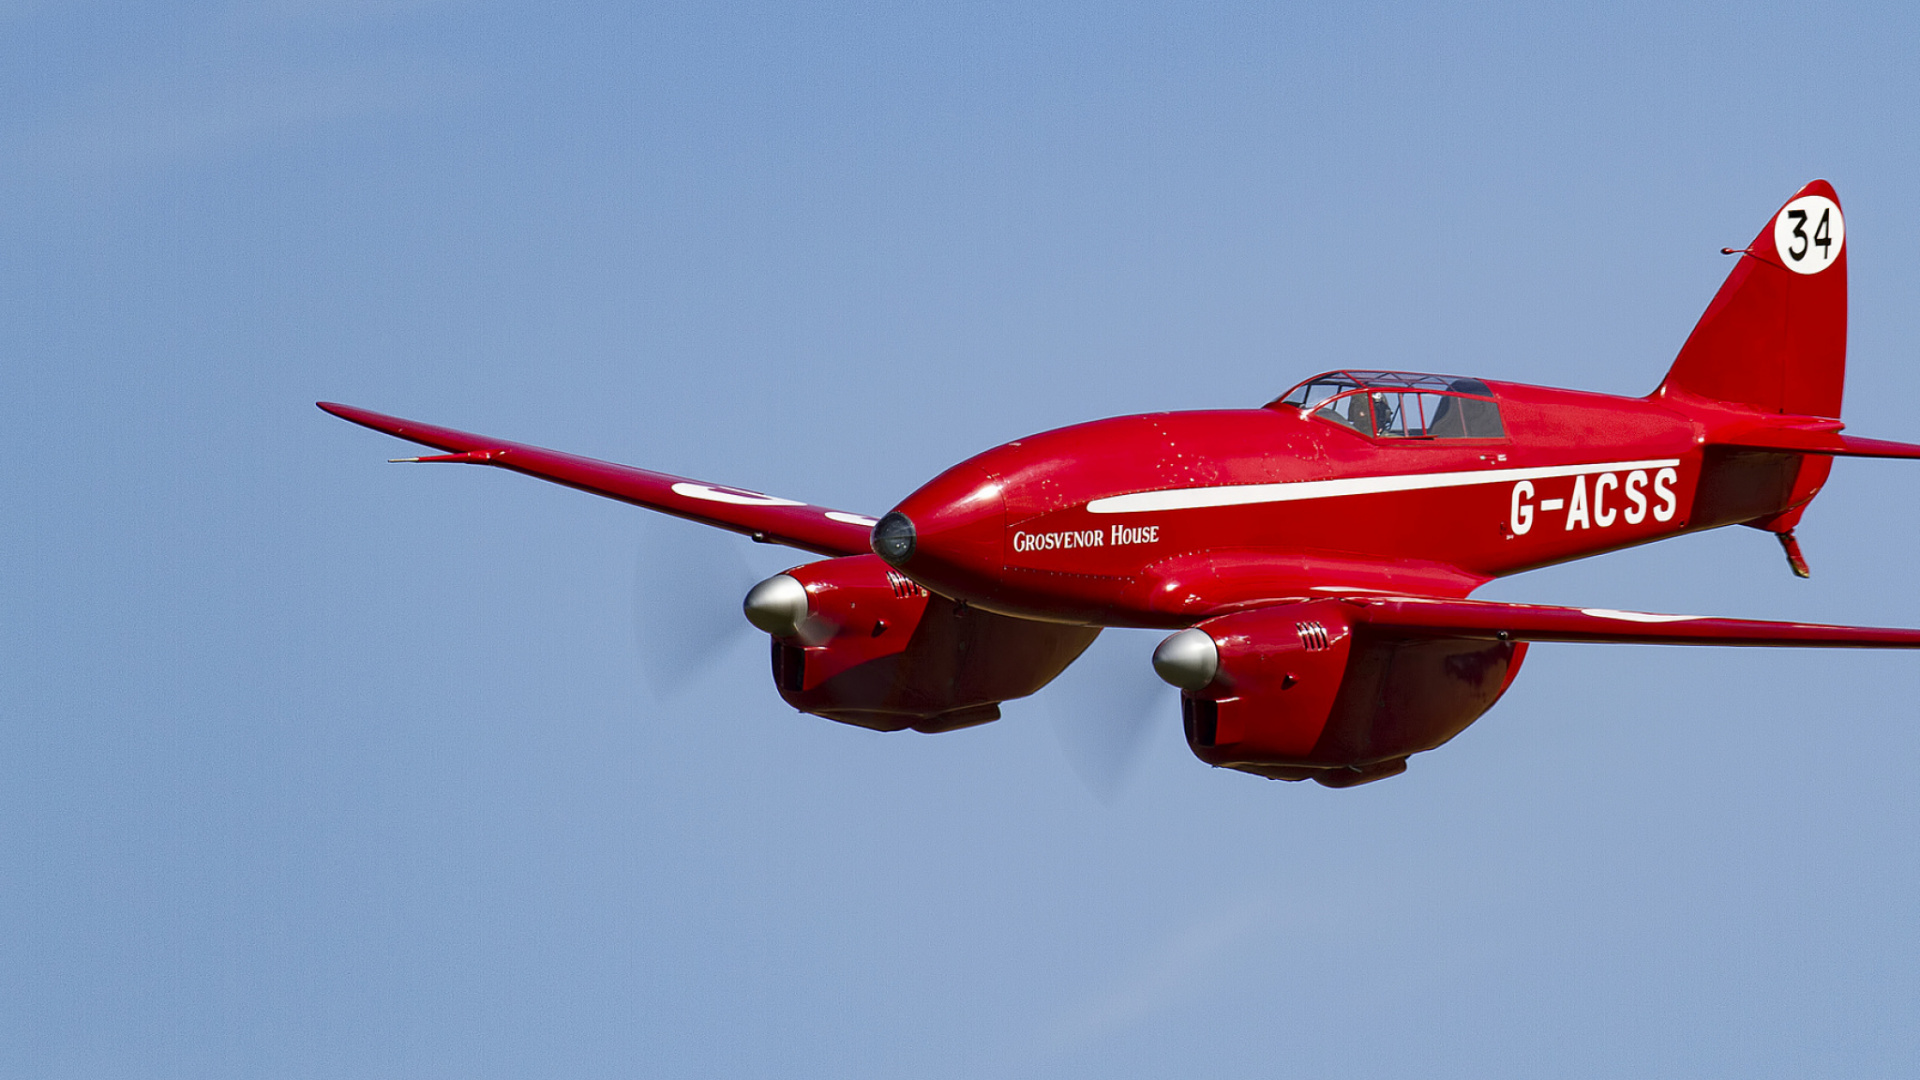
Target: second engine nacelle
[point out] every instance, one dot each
(857, 641)
(1308, 691)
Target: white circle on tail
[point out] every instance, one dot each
(1809, 233)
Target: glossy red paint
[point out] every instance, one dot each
(1305, 688)
(764, 517)
(1060, 552)
(1323, 545)
(879, 651)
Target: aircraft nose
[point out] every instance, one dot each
(947, 535)
(893, 539)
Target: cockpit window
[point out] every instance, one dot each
(1349, 410)
(1398, 404)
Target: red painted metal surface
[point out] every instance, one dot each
(1280, 506)
(879, 651)
(1480, 619)
(1314, 690)
(1326, 542)
(764, 517)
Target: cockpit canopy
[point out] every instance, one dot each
(1400, 404)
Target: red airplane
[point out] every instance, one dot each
(1314, 555)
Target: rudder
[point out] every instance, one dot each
(1775, 336)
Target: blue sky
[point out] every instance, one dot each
(312, 766)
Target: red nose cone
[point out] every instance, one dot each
(958, 522)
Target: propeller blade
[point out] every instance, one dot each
(686, 601)
(1104, 708)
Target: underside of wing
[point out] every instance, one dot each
(1410, 617)
(763, 517)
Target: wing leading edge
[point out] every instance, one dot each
(763, 517)
(1410, 617)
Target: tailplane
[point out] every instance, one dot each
(1775, 337)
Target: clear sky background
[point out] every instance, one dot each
(313, 766)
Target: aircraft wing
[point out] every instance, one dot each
(763, 517)
(1406, 616)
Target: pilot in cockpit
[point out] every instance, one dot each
(1383, 418)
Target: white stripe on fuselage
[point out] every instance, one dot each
(1248, 494)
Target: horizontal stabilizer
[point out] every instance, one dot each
(1817, 440)
(1854, 446)
(765, 518)
(1533, 622)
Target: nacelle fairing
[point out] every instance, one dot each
(1300, 691)
(869, 647)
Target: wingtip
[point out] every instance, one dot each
(344, 412)
(462, 445)
(367, 418)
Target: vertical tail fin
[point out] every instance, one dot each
(1775, 336)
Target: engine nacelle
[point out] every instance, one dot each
(1308, 691)
(857, 641)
